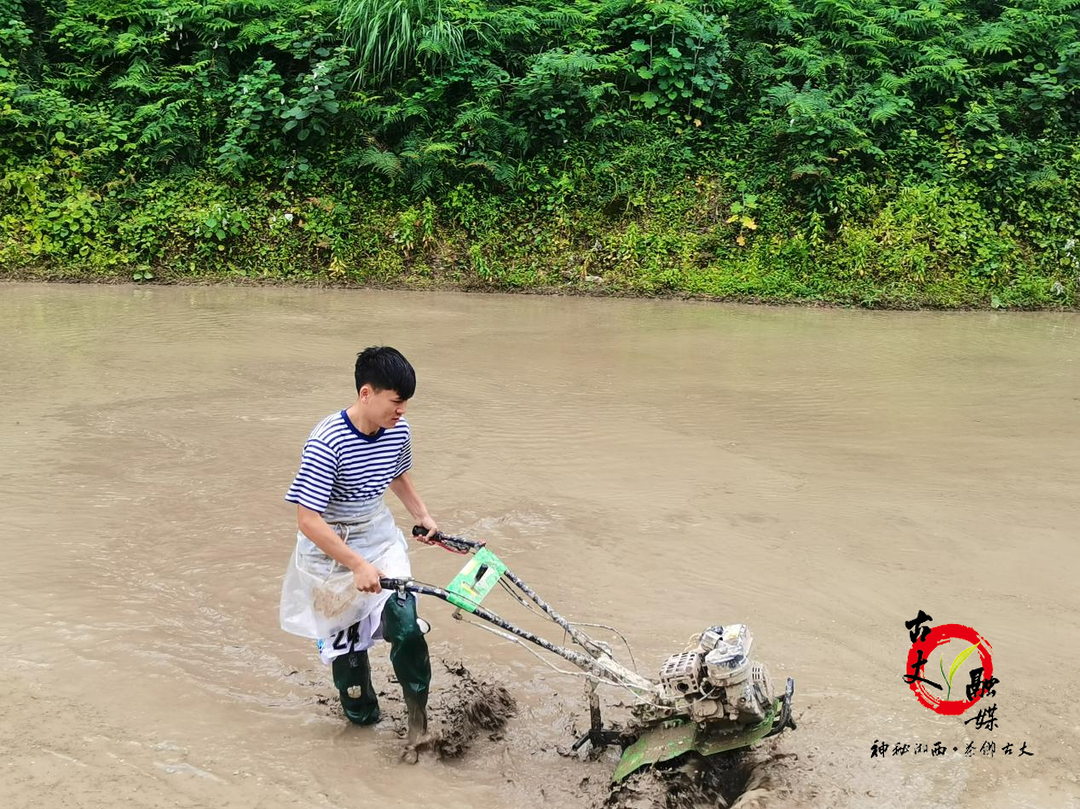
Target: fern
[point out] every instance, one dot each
(386, 163)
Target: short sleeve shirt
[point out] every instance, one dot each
(340, 464)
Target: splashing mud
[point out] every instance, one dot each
(744, 780)
(467, 709)
(464, 708)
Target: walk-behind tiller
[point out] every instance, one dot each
(710, 698)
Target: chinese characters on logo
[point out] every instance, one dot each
(988, 748)
(925, 639)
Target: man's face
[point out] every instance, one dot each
(384, 407)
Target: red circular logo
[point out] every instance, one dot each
(920, 653)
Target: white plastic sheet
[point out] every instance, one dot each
(318, 597)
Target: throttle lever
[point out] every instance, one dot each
(452, 544)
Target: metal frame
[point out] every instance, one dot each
(597, 663)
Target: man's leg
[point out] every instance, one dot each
(409, 657)
(352, 676)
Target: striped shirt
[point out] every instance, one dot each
(342, 465)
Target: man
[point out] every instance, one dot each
(347, 540)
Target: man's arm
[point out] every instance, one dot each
(314, 527)
(403, 487)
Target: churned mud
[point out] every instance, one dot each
(469, 708)
(466, 707)
(463, 707)
(746, 780)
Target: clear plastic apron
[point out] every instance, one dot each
(318, 596)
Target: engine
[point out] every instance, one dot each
(717, 681)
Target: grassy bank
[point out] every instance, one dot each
(925, 153)
(922, 248)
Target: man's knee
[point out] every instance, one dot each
(351, 670)
(399, 620)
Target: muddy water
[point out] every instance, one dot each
(661, 466)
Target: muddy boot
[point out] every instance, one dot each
(409, 657)
(352, 676)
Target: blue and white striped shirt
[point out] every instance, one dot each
(342, 465)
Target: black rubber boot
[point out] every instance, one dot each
(352, 673)
(409, 657)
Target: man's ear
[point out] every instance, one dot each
(365, 392)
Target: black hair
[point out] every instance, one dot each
(385, 368)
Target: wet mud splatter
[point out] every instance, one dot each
(464, 707)
(467, 709)
(748, 780)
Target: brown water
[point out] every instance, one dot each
(661, 466)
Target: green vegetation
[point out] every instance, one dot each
(912, 152)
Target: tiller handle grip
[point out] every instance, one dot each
(452, 544)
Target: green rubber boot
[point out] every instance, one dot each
(352, 676)
(409, 657)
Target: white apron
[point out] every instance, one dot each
(318, 597)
